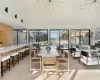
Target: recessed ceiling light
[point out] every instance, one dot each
(16, 16)
(6, 9)
(21, 20)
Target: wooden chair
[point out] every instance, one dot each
(62, 60)
(35, 59)
(3, 59)
(49, 65)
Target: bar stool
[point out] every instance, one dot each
(7, 59)
(13, 55)
(21, 53)
(26, 51)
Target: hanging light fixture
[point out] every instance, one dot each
(49, 4)
(89, 3)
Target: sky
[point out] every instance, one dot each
(54, 34)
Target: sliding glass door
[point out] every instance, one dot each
(59, 38)
(54, 37)
(80, 37)
(43, 37)
(64, 39)
(39, 37)
(19, 36)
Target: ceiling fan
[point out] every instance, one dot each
(49, 4)
(90, 3)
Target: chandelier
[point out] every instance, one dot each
(90, 3)
(49, 4)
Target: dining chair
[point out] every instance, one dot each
(35, 59)
(63, 60)
(49, 66)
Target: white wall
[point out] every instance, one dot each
(62, 26)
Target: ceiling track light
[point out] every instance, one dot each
(49, 4)
(89, 3)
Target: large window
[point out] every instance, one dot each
(19, 36)
(39, 37)
(43, 37)
(80, 37)
(59, 38)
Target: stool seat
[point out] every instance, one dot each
(3, 68)
(26, 48)
(14, 54)
(4, 58)
(22, 50)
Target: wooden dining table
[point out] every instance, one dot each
(44, 53)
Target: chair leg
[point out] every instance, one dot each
(43, 74)
(74, 55)
(9, 64)
(22, 55)
(13, 63)
(1, 68)
(40, 64)
(18, 58)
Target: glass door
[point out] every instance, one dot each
(59, 38)
(64, 39)
(80, 37)
(54, 37)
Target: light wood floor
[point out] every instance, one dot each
(21, 72)
(78, 72)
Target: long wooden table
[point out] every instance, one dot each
(43, 52)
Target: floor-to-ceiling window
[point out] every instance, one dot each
(80, 37)
(15, 37)
(19, 36)
(54, 37)
(39, 36)
(43, 37)
(60, 38)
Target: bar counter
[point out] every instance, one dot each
(7, 49)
